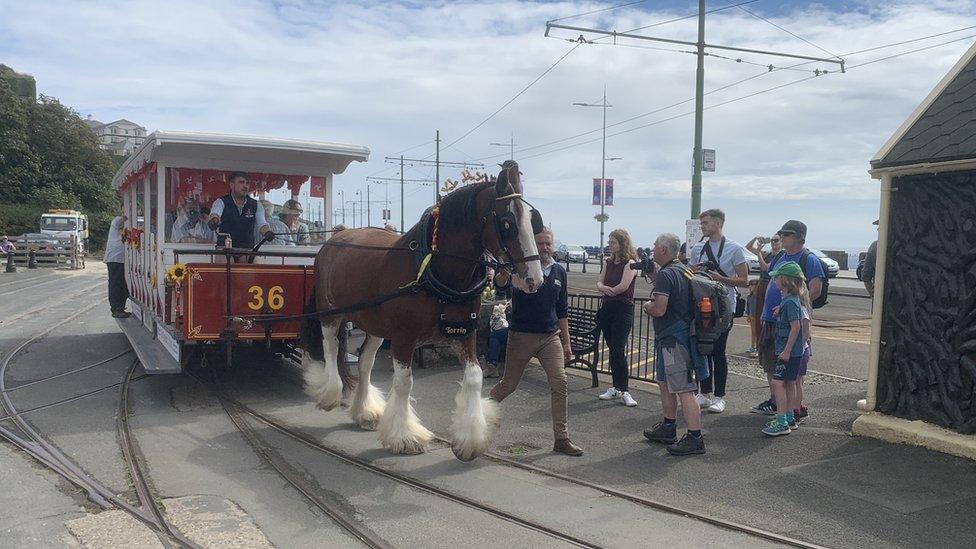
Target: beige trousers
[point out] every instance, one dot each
(548, 348)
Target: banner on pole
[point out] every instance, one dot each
(608, 192)
(318, 188)
(597, 194)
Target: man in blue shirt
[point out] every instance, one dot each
(793, 236)
(540, 328)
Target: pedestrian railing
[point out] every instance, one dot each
(640, 343)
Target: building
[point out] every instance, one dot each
(121, 137)
(922, 363)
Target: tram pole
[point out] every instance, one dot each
(696, 177)
(402, 228)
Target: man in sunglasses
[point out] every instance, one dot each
(793, 236)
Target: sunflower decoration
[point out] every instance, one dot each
(488, 294)
(176, 274)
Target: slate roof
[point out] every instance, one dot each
(946, 130)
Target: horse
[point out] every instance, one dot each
(411, 289)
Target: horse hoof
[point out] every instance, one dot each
(327, 406)
(461, 455)
(368, 424)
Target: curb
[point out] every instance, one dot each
(915, 433)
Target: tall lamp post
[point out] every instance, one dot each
(603, 162)
(342, 204)
(510, 145)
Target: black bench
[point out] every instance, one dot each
(584, 339)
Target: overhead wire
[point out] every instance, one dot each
(747, 96)
(736, 83)
(610, 8)
(787, 31)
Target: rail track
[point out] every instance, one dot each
(32, 441)
(239, 413)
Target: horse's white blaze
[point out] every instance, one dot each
(474, 419)
(368, 402)
(531, 270)
(399, 429)
(322, 381)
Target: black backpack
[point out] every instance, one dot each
(804, 259)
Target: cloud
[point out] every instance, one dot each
(388, 74)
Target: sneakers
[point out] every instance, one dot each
(490, 370)
(688, 445)
(628, 400)
(753, 352)
(800, 414)
(717, 406)
(665, 434)
(766, 408)
(777, 427)
(703, 401)
(611, 394)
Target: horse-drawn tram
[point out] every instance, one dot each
(193, 285)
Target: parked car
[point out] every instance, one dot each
(752, 261)
(573, 254)
(833, 268)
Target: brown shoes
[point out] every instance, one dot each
(565, 446)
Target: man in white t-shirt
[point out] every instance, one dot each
(118, 290)
(725, 262)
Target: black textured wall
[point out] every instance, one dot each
(927, 367)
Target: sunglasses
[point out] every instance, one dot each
(786, 233)
(774, 240)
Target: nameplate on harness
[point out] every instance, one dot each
(456, 329)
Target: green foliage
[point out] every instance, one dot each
(49, 158)
(603, 218)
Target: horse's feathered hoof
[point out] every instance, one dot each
(464, 456)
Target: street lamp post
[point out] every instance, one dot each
(342, 203)
(603, 164)
(510, 145)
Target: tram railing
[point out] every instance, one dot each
(640, 343)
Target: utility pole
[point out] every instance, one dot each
(402, 181)
(342, 201)
(437, 167)
(700, 46)
(437, 163)
(510, 145)
(369, 221)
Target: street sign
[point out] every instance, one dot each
(708, 160)
(693, 234)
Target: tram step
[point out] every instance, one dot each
(153, 356)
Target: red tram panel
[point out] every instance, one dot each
(255, 290)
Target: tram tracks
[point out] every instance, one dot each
(32, 441)
(241, 413)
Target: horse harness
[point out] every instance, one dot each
(506, 226)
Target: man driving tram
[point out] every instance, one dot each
(237, 214)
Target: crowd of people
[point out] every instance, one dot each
(779, 306)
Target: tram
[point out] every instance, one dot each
(186, 293)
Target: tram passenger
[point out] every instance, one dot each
(118, 290)
(288, 227)
(190, 226)
(277, 227)
(539, 328)
(237, 214)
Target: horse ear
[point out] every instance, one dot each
(501, 184)
(515, 177)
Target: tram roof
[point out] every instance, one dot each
(241, 152)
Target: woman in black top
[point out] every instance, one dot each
(616, 314)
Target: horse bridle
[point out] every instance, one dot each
(506, 227)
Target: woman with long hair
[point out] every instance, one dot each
(616, 314)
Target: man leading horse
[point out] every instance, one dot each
(420, 288)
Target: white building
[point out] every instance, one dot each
(121, 137)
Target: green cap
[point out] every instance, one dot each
(790, 268)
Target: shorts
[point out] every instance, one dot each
(805, 360)
(767, 346)
(788, 370)
(674, 366)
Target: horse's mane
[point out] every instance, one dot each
(457, 209)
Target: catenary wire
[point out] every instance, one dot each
(730, 85)
(609, 8)
(747, 96)
(787, 31)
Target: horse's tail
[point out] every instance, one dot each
(312, 333)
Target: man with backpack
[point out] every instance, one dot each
(793, 236)
(723, 261)
(677, 360)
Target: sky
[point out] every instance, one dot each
(387, 75)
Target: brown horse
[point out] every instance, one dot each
(359, 266)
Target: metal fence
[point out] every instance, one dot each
(640, 344)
